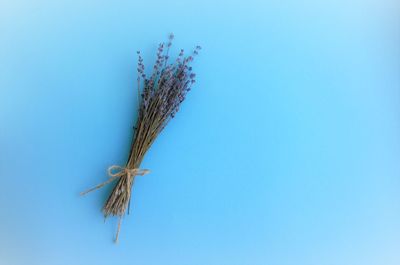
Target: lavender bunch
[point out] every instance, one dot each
(160, 98)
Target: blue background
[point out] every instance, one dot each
(285, 152)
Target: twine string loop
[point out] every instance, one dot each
(115, 172)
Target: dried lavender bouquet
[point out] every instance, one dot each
(160, 98)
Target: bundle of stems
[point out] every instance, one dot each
(159, 101)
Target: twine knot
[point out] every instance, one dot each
(115, 172)
(118, 171)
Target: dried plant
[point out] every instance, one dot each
(160, 98)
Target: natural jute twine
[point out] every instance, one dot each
(116, 172)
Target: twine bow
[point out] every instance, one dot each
(117, 172)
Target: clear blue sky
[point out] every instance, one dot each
(286, 152)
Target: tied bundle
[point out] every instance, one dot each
(159, 101)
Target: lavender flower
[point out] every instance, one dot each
(160, 98)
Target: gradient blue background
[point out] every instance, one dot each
(286, 152)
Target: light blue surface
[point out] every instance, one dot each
(286, 152)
